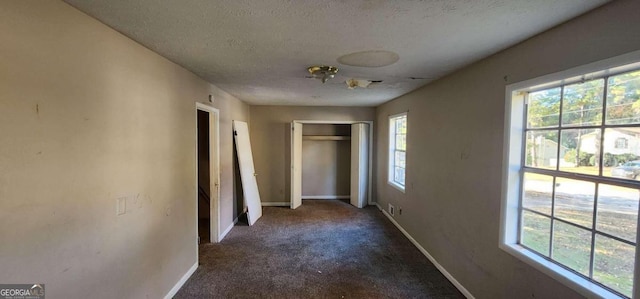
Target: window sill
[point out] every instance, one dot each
(394, 185)
(564, 276)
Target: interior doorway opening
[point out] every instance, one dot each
(326, 161)
(352, 137)
(204, 178)
(207, 174)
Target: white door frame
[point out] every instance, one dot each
(214, 170)
(338, 122)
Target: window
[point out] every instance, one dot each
(622, 143)
(572, 189)
(397, 150)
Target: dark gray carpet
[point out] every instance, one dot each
(324, 249)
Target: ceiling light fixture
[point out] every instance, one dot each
(323, 72)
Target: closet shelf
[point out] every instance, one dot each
(325, 138)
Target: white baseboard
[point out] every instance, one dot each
(448, 275)
(181, 282)
(275, 204)
(326, 197)
(226, 231)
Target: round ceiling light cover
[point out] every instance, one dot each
(373, 58)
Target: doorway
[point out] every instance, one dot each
(326, 161)
(207, 174)
(359, 138)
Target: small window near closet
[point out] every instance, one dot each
(397, 150)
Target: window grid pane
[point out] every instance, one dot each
(544, 108)
(536, 231)
(400, 159)
(401, 142)
(623, 99)
(618, 211)
(571, 246)
(538, 193)
(582, 103)
(574, 201)
(611, 264)
(587, 226)
(542, 149)
(399, 176)
(581, 150)
(622, 153)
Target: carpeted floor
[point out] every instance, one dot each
(324, 249)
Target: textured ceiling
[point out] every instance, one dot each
(259, 50)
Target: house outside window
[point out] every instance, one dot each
(397, 150)
(571, 200)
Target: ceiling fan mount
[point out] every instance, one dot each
(323, 72)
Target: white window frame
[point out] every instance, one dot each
(392, 149)
(512, 167)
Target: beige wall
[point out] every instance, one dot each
(326, 164)
(455, 144)
(87, 116)
(326, 168)
(270, 132)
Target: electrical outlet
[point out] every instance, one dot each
(121, 206)
(392, 210)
